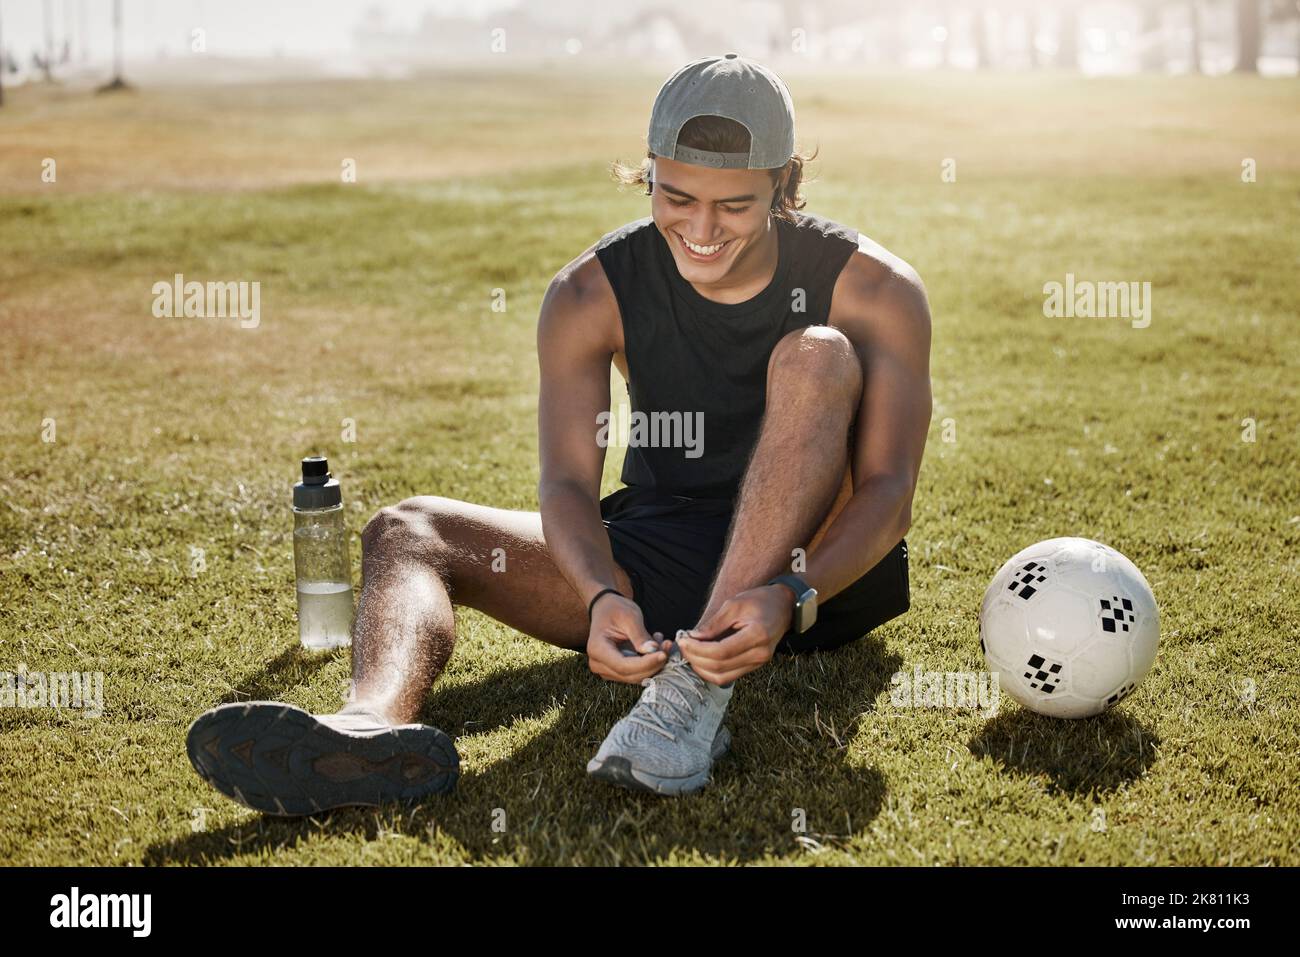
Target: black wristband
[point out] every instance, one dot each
(604, 591)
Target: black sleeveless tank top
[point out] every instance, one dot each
(694, 357)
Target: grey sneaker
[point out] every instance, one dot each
(670, 739)
(281, 760)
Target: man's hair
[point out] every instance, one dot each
(721, 135)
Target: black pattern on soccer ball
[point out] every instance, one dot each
(1116, 613)
(1045, 675)
(1120, 695)
(1025, 581)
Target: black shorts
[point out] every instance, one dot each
(670, 546)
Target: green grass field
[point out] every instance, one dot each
(150, 540)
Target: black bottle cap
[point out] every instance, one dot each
(315, 470)
(317, 489)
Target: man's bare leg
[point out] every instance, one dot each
(419, 557)
(424, 555)
(799, 463)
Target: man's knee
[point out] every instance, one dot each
(818, 358)
(411, 528)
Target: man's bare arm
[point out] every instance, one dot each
(880, 304)
(575, 346)
(577, 335)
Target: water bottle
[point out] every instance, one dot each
(320, 557)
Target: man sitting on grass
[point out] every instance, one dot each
(799, 347)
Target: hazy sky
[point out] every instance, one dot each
(233, 26)
(1110, 31)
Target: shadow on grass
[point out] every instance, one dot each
(292, 667)
(1078, 756)
(792, 723)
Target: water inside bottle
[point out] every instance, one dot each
(325, 614)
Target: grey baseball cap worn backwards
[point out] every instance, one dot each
(736, 88)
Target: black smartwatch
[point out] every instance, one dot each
(805, 601)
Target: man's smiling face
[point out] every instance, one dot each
(710, 218)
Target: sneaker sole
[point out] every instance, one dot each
(619, 771)
(281, 760)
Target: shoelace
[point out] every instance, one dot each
(676, 675)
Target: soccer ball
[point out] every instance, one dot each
(1071, 627)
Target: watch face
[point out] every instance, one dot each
(807, 609)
